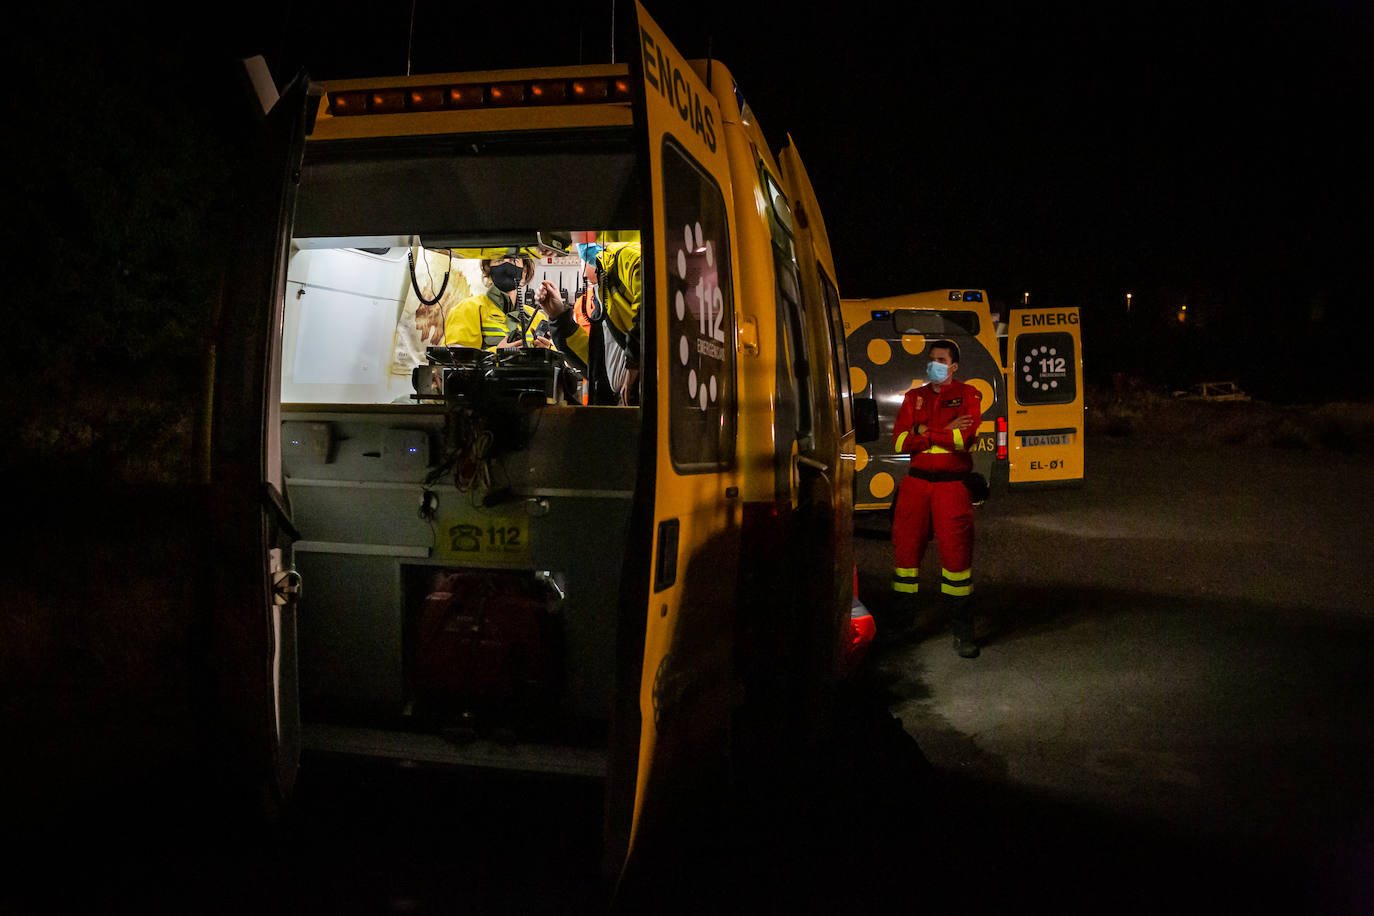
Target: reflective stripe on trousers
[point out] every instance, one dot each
(904, 580)
(956, 584)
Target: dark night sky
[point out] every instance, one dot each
(1073, 149)
(1202, 152)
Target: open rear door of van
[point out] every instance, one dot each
(250, 687)
(1045, 394)
(689, 405)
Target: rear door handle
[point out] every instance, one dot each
(665, 562)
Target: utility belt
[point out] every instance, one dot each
(976, 483)
(938, 476)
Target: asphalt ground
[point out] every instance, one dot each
(1172, 705)
(1170, 713)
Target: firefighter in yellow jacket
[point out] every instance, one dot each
(492, 320)
(608, 349)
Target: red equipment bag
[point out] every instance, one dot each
(482, 644)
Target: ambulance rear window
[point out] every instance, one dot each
(1044, 372)
(935, 323)
(701, 332)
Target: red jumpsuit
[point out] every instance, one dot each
(933, 495)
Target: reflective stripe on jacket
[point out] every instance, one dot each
(939, 449)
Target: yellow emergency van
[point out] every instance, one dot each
(1044, 366)
(888, 342)
(439, 553)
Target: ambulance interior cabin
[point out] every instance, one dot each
(462, 515)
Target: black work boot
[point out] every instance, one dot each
(900, 609)
(961, 624)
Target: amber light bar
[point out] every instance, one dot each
(580, 91)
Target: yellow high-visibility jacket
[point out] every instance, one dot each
(483, 321)
(622, 291)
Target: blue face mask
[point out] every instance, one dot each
(936, 372)
(588, 251)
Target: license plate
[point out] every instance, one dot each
(1057, 439)
(479, 539)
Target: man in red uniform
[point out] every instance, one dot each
(935, 426)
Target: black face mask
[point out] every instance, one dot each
(506, 277)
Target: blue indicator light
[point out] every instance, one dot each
(880, 314)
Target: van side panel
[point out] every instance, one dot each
(830, 473)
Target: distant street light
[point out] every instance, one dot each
(1128, 303)
(1025, 298)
